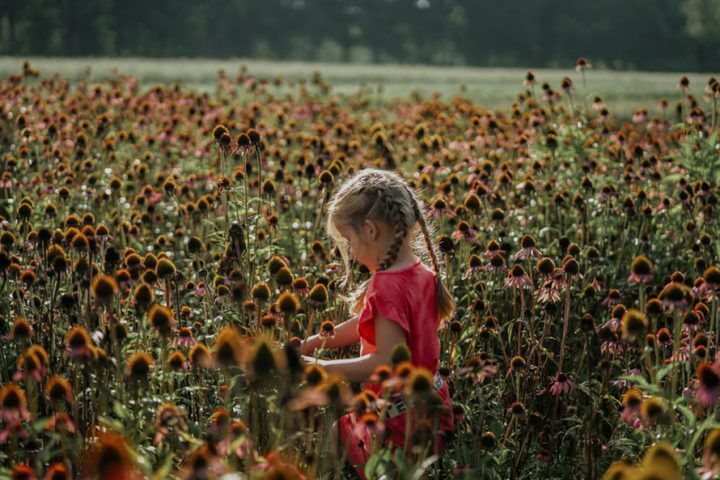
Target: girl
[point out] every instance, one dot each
(376, 218)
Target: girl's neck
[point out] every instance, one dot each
(405, 258)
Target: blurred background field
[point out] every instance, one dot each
(494, 88)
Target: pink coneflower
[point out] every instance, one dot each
(517, 278)
(369, 421)
(614, 323)
(474, 266)
(641, 270)
(675, 295)
(527, 249)
(464, 232)
(561, 384)
(185, 337)
(710, 288)
(708, 390)
(327, 329)
(631, 400)
(664, 337)
(13, 404)
(496, 263)
(492, 248)
(613, 298)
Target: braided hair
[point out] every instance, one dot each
(384, 196)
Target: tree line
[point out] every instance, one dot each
(622, 34)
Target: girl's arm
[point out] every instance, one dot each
(345, 334)
(387, 335)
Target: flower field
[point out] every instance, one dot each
(163, 253)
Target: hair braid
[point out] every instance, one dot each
(394, 209)
(425, 231)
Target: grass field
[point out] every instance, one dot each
(622, 91)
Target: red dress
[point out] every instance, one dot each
(405, 296)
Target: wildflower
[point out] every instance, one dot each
(660, 461)
(200, 356)
(711, 450)
(517, 277)
(22, 329)
(165, 268)
(561, 384)
(327, 329)
(318, 295)
(58, 389)
(581, 64)
(228, 347)
(527, 249)
(185, 337)
(143, 296)
(162, 319)
(288, 303)
(57, 471)
(104, 289)
(652, 411)
(711, 283)
(139, 366)
(177, 361)
(708, 389)
(108, 457)
(634, 324)
(78, 343)
(675, 295)
(641, 270)
(631, 400)
(13, 404)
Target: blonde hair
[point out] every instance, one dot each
(384, 196)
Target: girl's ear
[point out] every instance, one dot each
(371, 229)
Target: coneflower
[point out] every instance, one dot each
(517, 278)
(108, 457)
(13, 404)
(641, 270)
(631, 401)
(262, 363)
(314, 375)
(78, 343)
(711, 283)
(144, 296)
(652, 411)
(675, 296)
(104, 289)
(57, 471)
(58, 389)
(228, 347)
(200, 356)
(660, 461)
(527, 249)
(139, 366)
(318, 295)
(708, 389)
(634, 324)
(711, 450)
(162, 319)
(177, 360)
(327, 329)
(21, 330)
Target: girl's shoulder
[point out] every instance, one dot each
(403, 279)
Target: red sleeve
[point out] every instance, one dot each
(377, 304)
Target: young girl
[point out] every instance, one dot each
(376, 218)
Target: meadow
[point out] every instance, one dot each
(494, 88)
(162, 253)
